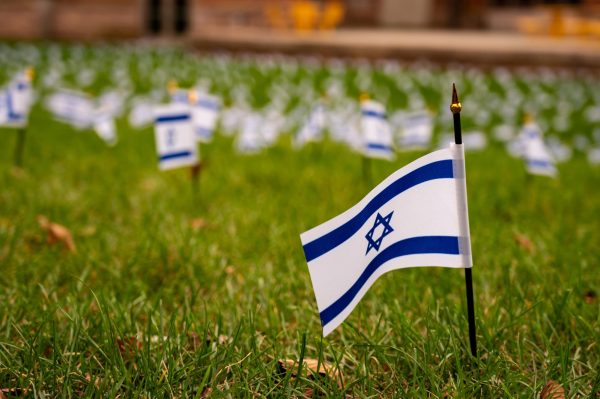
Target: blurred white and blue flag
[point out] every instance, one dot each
(538, 159)
(377, 134)
(15, 101)
(72, 107)
(205, 113)
(175, 140)
(416, 217)
(417, 130)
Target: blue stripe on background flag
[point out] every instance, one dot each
(538, 159)
(416, 217)
(377, 133)
(174, 136)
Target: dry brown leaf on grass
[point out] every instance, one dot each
(552, 390)
(590, 297)
(324, 369)
(198, 223)
(128, 346)
(7, 393)
(57, 233)
(524, 242)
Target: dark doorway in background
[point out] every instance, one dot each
(154, 16)
(181, 16)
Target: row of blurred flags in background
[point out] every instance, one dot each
(193, 115)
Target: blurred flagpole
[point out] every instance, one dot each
(20, 147)
(456, 107)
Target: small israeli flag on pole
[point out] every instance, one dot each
(377, 134)
(205, 113)
(415, 217)
(16, 100)
(538, 159)
(175, 139)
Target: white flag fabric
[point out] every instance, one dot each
(312, 129)
(537, 157)
(175, 140)
(104, 125)
(205, 112)
(416, 217)
(15, 102)
(377, 134)
(75, 108)
(250, 141)
(417, 130)
(141, 114)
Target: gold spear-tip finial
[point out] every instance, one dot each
(30, 73)
(192, 96)
(364, 96)
(527, 118)
(456, 106)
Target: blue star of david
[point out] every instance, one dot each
(387, 229)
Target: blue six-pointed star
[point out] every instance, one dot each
(387, 229)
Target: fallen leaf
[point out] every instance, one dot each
(325, 369)
(199, 223)
(128, 346)
(524, 242)
(590, 297)
(57, 233)
(6, 393)
(206, 392)
(552, 390)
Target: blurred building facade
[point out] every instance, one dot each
(113, 19)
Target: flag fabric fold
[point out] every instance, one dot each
(416, 217)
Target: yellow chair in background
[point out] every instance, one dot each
(305, 15)
(332, 15)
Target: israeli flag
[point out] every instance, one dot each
(174, 134)
(15, 102)
(313, 128)
(75, 108)
(537, 157)
(416, 217)
(205, 113)
(377, 134)
(250, 141)
(417, 130)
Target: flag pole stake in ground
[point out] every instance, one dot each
(20, 147)
(456, 107)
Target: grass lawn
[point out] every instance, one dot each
(157, 303)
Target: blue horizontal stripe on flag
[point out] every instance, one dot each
(374, 114)
(535, 163)
(172, 118)
(435, 170)
(374, 146)
(410, 246)
(173, 155)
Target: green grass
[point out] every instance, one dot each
(139, 309)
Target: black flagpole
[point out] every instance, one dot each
(19, 147)
(456, 107)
